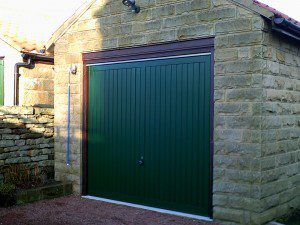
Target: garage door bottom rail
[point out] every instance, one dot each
(192, 216)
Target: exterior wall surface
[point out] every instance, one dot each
(280, 137)
(11, 57)
(240, 94)
(26, 138)
(37, 86)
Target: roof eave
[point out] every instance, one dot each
(10, 43)
(248, 4)
(285, 27)
(67, 24)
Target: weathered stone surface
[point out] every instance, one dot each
(37, 87)
(26, 137)
(8, 110)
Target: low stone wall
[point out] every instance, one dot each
(26, 139)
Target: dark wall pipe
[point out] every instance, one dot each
(287, 28)
(38, 58)
(30, 62)
(284, 23)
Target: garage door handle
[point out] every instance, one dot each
(141, 162)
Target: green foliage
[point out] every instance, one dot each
(7, 197)
(6, 189)
(293, 218)
(18, 176)
(23, 177)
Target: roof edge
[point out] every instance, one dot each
(10, 43)
(68, 23)
(250, 6)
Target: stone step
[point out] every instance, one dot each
(49, 191)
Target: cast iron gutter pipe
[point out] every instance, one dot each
(30, 62)
(287, 24)
(38, 58)
(286, 27)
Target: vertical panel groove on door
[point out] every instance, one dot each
(157, 111)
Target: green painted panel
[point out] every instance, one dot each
(158, 111)
(1, 82)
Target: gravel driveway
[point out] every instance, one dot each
(74, 210)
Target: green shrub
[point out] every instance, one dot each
(7, 196)
(23, 177)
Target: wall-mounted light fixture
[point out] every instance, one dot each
(132, 5)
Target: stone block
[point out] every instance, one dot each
(8, 110)
(179, 21)
(216, 15)
(192, 31)
(200, 4)
(232, 215)
(10, 137)
(231, 26)
(226, 54)
(245, 39)
(244, 95)
(6, 143)
(44, 111)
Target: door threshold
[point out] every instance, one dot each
(165, 211)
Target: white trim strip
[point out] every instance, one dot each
(149, 208)
(274, 223)
(149, 59)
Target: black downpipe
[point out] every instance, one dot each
(30, 62)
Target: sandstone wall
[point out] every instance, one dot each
(37, 86)
(239, 92)
(280, 137)
(26, 137)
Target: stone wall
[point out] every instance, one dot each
(26, 138)
(280, 137)
(239, 91)
(37, 86)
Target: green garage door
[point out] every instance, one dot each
(149, 133)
